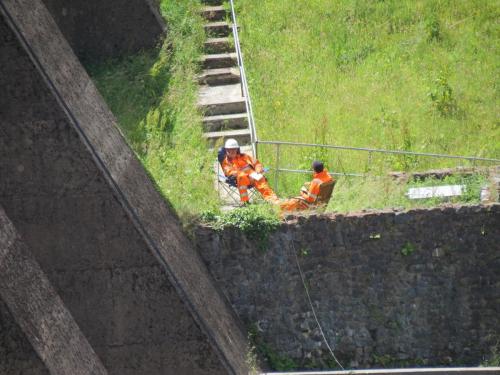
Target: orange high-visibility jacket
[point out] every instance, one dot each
(240, 163)
(311, 194)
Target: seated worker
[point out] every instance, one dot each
(247, 171)
(309, 192)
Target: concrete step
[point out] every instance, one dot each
(241, 135)
(213, 13)
(219, 60)
(221, 100)
(218, 45)
(234, 106)
(217, 29)
(225, 122)
(221, 76)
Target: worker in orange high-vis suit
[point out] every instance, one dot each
(309, 192)
(247, 171)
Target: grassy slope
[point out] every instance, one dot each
(373, 74)
(344, 72)
(153, 95)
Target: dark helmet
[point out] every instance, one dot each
(317, 166)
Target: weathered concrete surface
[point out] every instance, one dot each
(103, 235)
(390, 288)
(17, 356)
(98, 30)
(39, 312)
(409, 371)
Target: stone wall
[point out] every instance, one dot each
(390, 288)
(99, 29)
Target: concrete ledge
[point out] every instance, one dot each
(409, 371)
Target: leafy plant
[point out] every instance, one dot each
(257, 221)
(276, 361)
(433, 28)
(494, 357)
(408, 249)
(442, 97)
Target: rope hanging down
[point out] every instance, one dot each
(311, 305)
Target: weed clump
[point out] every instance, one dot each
(442, 97)
(275, 360)
(257, 222)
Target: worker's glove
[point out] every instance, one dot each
(303, 190)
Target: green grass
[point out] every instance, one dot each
(396, 74)
(355, 193)
(153, 95)
(406, 75)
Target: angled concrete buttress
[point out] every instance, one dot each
(40, 313)
(102, 234)
(97, 29)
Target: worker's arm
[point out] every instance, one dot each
(228, 168)
(257, 166)
(311, 194)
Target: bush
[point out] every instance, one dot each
(257, 221)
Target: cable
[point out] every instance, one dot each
(311, 305)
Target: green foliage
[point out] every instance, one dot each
(442, 97)
(494, 357)
(433, 28)
(406, 75)
(257, 221)
(153, 96)
(381, 192)
(408, 249)
(473, 184)
(305, 251)
(276, 361)
(361, 74)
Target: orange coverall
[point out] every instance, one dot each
(308, 193)
(241, 166)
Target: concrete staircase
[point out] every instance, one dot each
(220, 96)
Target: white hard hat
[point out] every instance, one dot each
(231, 143)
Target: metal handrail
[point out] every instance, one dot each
(473, 158)
(278, 145)
(244, 83)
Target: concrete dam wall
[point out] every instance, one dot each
(99, 30)
(390, 288)
(103, 237)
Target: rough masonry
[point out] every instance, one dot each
(420, 287)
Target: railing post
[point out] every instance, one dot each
(276, 168)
